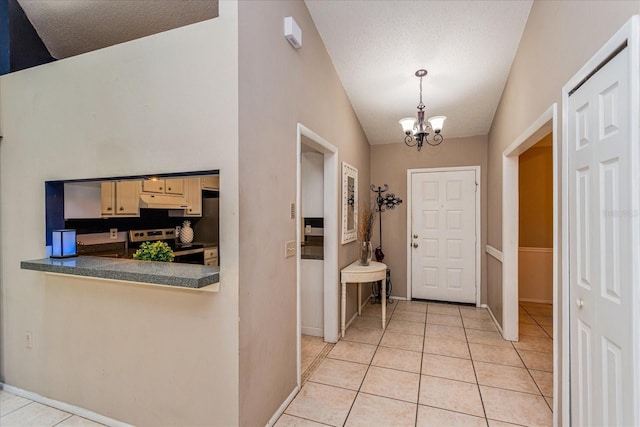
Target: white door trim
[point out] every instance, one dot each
(630, 32)
(543, 125)
(476, 169)
(331, 279)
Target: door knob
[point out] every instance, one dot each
(579, 302)
(415, 236)
(415, 245)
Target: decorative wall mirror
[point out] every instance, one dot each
(349, 202)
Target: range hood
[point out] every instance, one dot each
(162, 201)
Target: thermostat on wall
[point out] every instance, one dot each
(292, 32)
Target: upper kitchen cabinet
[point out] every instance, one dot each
(153, 186)
(82, 200)
(120, 198)
(174, 186)
(163, 186)
(211, 182)
(193, 194)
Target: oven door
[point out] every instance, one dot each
(189, 256)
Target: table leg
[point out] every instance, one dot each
(343, 308)
(359, 298)
(383, 297)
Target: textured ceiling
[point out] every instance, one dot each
(376, 47)
(72, 27)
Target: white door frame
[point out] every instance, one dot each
(542, 126)
(476, 169)
(331, 279)
(630, 32)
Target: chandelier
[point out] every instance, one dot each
(417, 131)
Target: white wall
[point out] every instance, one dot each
(142, 355)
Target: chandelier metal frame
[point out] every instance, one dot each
(418, 131)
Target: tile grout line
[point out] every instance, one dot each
(61, 421)
(424, 339)
(366, 372)
(21, 407)
(529, 370)
(473, 365)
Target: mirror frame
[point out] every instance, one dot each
(349, 234)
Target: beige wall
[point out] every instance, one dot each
(280, 86)
(535, 174)
(389, 164)
(144, 355)
(559, 38)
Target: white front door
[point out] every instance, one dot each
(600, 248)
(443, 235)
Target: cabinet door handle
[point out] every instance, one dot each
(161, 188)
(169, 189)
(109, 208)
(121, 208)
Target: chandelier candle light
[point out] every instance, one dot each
(417, 131)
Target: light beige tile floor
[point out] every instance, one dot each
(435, 365)
(16, 411)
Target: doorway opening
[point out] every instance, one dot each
(531, 151)
(317, 279)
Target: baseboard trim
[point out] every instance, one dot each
(282, 407)
(72, 409)
(539, 301)
(495, 322)
(316, 332)
(398, 298)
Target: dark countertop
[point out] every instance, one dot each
(159, 273)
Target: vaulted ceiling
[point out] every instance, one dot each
(376, 47)
(466, 46)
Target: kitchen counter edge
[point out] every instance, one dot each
(189, 276)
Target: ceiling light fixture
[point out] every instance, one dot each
(417, 131)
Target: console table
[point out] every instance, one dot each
(356, 273)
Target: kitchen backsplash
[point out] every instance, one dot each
(149, 219)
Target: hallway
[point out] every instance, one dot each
(435, 365)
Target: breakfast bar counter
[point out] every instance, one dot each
(187, 276)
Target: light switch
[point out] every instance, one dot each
(307, 229)
(289, 248)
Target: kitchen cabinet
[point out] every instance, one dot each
(211, 257)
(312, 297)
(211, 182)
(153, 186)
(120, 198)
(163, 186)
(193, 196)
(108, 197)
(174, 186)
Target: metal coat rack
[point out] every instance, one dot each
(384, 201)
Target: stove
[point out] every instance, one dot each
(186, 253)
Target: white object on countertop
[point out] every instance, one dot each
(186, 232)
